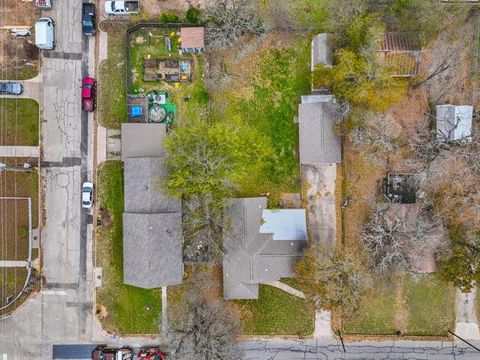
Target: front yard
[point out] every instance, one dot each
(418, 305)
(20, 122)
(276, 312)
(124, 309)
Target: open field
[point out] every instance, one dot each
(20, 122)
(125, 309)
(276, 313)
(112, 83)
(18, 56)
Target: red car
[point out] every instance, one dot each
(151, 353)
(104, 353)
(88, 94)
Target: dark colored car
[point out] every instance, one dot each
(88, 94)
(11, 88)
(88, 19)
(151, 353)
(104, 353)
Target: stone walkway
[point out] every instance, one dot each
(13, 264)
(19, 151)
(466, 325)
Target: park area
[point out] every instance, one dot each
(16, 217)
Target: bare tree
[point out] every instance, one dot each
(227, 21)
(394, 237)
(205, 326)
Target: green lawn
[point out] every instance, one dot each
(20, 121)
(376, 315)
(425, 307)
(12, 281)
(275, 86)
(111, 100)
(431, 305)
(276, 313)
(130, 310)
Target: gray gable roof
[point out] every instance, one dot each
(143, 187)
(252, 257)
(142, 140)
(318, 142)
(152, 250)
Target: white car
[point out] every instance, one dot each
(87, 195)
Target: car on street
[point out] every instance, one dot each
(104, 353)
(88, 19)
(11, 88)
(151, 353)
(88, 94)
(87, 195)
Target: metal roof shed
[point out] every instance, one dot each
(321, 52)
(454, 123)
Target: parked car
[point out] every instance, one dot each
(121, 7)
(45, 33)
(104, 353)
(11, 88)
(87, 195)
(88, 19)
(151, 353)
(88, 94)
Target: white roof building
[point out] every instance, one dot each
(454, 122)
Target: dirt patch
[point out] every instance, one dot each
(18, 55)
(157, 7)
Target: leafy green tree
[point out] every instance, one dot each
(332, 280)
(193, 15)
(461, 263)
(214, 159)
(169, 17)
(360, 81)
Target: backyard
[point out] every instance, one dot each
(122, 308)
(20, 122)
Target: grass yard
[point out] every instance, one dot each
(11, 282)
(417, 305)
(19, 122)
(111, 100)
(269, 102)
(127, 309)
(276, 313)
(431, 305)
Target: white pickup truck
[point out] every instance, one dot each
(121, 7)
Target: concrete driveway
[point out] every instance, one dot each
(31, 89)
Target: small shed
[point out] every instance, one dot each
(192, 39)
(321, 52)
(401, 188)
(454, 123)
(401, 52)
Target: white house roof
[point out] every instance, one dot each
(454, 122)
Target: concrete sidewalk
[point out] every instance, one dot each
(467, 326)
(13, 264)
(19, 151)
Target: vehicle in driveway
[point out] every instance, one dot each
(45, 34)
(121, 7)
(151, 353)
(87, 195)
(11, 88)
(88, 19)
(104, 353)
(88, 94)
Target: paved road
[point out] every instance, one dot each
(62, 312)
(331, 350)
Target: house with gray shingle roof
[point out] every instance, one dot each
(260, 245)
(319, 144)
(152, 232)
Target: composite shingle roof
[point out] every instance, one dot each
(252, 256)
(319, 144)
(192, 37)
(152, 250)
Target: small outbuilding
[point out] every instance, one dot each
(321, 52)
(400, 51)
(401, 188)
(454, 123)
(192, 39)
